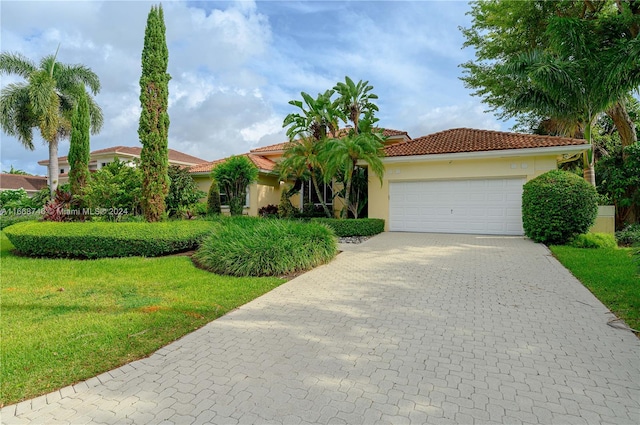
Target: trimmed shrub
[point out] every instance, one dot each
(353, 227)
(7, 220)
(594, 240)
(629, 236)
(105, 239)
(557, 206)
(265, 247)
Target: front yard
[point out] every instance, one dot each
(64, 321)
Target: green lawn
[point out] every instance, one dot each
(63, 321)
(612, 275)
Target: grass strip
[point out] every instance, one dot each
(64, 321)
(612, 275)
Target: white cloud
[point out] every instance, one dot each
(235, 65)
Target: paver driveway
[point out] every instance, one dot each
(418, 328)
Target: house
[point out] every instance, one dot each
(31, 184)
(263, 192)
(463, 180)
(268, 188)
(100, 158)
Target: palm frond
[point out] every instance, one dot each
(15, 63)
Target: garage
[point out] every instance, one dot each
(476, 206)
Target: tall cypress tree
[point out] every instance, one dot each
(79, 150)
(154, 119)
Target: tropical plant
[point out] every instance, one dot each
(308, 130)
(16, 171)
(619, 178)
(45, 101)
(115, 191)
(570, 61)
(183, 190)
(79, 149)
(234, 177)
(154, 119)
(10, 197)
(60, 207)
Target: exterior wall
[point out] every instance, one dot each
(264, 192)
(606, 220)
(526, 166)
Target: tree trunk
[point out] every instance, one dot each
(53, 166)
(320, 197)
(347, 200)
(625, 125)
(588, 170)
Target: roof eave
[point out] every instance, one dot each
(502, 153)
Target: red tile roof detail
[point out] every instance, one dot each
(17, 181)
(174, 155)
(470, 140)
(263, 164)
(386, 132)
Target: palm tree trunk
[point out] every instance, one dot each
(317, 188)
(53, 165)
(588, 171)
(347, 192)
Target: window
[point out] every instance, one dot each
(62, 171)
(225, 203)
(104, 164)
(309, 195)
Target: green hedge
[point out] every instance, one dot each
(265, 247)
(353, 227)
(7, 220)
(106, 239)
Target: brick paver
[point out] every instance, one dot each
(404, 328)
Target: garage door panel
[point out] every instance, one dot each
(489, 206)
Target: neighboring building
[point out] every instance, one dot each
(463, 180)
(102, 157)
(31, 184)
(267, 189)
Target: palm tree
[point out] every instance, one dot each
(308, 131)
(355, 100)
(571, 82)
(45, 101)
(341, 156)
(362, 143)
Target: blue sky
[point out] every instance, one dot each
(236, 65)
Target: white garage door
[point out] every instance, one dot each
(488, 207)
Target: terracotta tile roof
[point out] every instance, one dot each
(174, 155)
(470, 140)
(263, 164)
(386, 132)
(17, 181)
(277, 147)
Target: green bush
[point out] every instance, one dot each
(183, 191)
(265, 247)
(629, 236)
(594, 240)
(106, 239)
(353, 227)
(557, 206)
